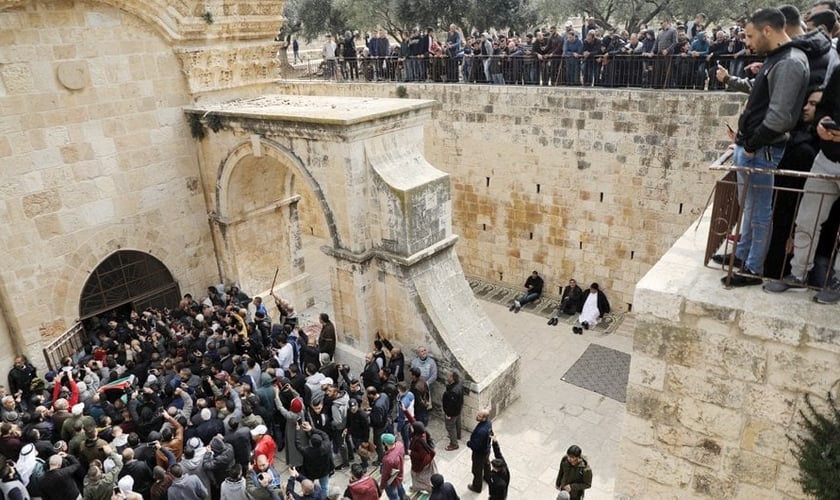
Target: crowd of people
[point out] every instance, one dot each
(203, 402)
(681, 55)
(788, 123)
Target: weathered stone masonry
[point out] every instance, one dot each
(594, 184)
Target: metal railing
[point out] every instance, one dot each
(680, 71)
(788, 189)
(70, 343)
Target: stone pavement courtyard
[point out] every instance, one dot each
(549, 416)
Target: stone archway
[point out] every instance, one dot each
(128, 277)
(256, 222)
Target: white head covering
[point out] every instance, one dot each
(126, 484)
(26, 462)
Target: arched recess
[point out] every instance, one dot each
(257, 217)
(128, 277)
(290, 161)
(158, 14)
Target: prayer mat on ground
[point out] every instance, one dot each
(504, 294)
(602, 370)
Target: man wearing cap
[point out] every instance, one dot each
(358, 427)
(316, 449)
(292, 415)
(76, 416)
(392, 467)
(263, 444)
(208, 427)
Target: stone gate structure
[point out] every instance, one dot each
(101, 168)
(387, 213)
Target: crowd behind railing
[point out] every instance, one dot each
(684, 56)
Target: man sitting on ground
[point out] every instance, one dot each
(570, 303)
(533, 290)
(595, 306)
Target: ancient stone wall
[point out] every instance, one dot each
(716, 382)
(96, 153)
(594, 184)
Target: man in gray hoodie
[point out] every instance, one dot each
(772, 110)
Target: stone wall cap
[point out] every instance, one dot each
(323, 110)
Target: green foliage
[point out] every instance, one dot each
(316, 17)
(402, 92)
(632, 14)
(818, 450)
(208, 17)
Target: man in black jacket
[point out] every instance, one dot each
(533, 290)
(240, 438)
(453, 402)
(570, 303)
(574, 476)
(58, 482)
(772, 110)
(316, 448)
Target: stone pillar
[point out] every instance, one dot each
(716, 381)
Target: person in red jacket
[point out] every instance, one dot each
(361, 486)
(263, 444)
(392, 467)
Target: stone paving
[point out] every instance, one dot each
(549, 416)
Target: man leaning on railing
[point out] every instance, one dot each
(771, 111)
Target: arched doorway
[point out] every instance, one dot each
(263, 196)
(128, 279)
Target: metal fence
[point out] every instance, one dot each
(70, 343)
(681, 71)
(788, 189)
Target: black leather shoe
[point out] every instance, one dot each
(585, 325)
(470, 487)
(723, 259)
(744, 278)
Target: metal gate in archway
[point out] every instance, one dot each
(128, 277)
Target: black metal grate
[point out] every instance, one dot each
(128, 276)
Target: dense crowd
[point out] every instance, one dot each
(681, 56)
(196, 402)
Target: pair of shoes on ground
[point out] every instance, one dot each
(577, 330)
(515, 307)
(723, 259)
(553, 321)
(828, 295)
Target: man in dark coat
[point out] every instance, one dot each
(452, 402)
(574, 476)
(480, 444)
(326, 339)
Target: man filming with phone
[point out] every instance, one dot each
(772, 110)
